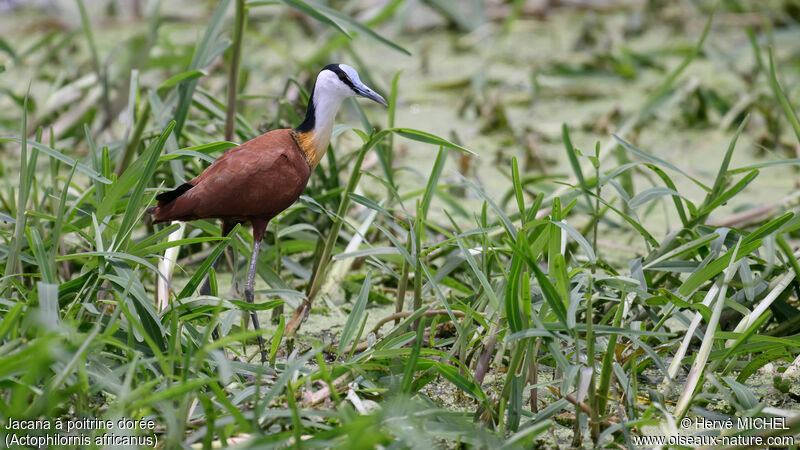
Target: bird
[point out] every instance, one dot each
(260, 178)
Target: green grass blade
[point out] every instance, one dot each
(356, 315)
(433, 181)
(183, 76)
(655, 159)
(209, 47)
(46, 265)
(357, 26)
(134, 201)
(315, 12)
(59, 156)
(788, 110)
(715, 267)
(428, 138)
(200, 273)
(22, 200)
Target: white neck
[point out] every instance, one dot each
(329, 91)
(325, 109)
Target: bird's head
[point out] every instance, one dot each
(341, 81)
(335, 83)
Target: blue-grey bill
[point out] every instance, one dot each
(370, 94)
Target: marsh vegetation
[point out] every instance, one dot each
(575, 225)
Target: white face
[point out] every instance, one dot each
(329, 85)
(330, 90)
(333, 88)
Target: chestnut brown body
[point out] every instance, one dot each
(253, 182)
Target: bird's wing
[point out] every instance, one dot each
(260, 178)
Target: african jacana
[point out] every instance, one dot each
(257, 180)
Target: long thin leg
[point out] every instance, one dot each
(259, 227)
(249, 293)
(277, 312)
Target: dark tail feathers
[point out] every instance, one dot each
(166, 197)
